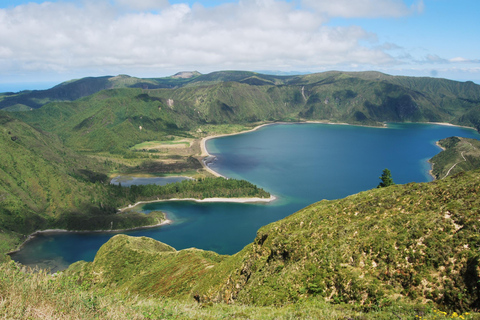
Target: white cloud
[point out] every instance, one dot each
(464, 60)
(249, 34)
(143, 5)
(364, 8)
(435, 59)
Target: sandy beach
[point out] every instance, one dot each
(449, 124)
(236, 200)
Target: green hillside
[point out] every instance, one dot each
(241, 97)
(112, 120)
(73, 90)
(401, 252)
(459, 154)
(43, 185)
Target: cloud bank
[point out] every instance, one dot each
(105, 37)
(248, 34)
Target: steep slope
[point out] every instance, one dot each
(415, 241)
(410, 243)
(459, 154)
(40, 179)
(124, 260)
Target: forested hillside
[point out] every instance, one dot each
(402, 245)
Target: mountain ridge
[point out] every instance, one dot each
(432, 93)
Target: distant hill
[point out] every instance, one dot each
(76, 89)
(186, 74)
(239, 97)
(400, 244)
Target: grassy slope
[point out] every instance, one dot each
(43, 184)
(410, 243)
(459, 154)
(38, 295)
(38, 175)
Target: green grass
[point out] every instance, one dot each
(39, 295)
(460, 154)
(156, 144)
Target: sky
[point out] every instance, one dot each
(53, 41)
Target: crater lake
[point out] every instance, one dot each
(298, 163)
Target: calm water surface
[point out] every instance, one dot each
(299, 163)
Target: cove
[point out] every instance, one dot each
(299, 163)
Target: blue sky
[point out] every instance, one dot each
(54, 41)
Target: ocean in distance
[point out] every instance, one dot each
(299, 163)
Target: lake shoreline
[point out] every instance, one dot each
(432, 163)
(205, 154)
(204, 200)
(164, 222)
(235, 200)
(48, 231)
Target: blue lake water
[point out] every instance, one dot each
(299, 163)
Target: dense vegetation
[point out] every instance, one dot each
(44, 184)
(404, 244)
(459, 154)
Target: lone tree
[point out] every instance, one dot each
(386, 179)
